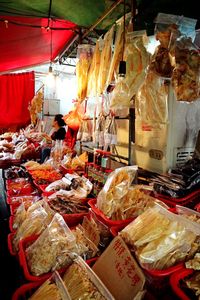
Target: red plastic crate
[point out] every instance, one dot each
(11, 221)
(197, 207)
(106, 220)
(23, 244)
(23, 191)
(74, 219)
(25, 291)
(13, 208)
(175, 280)
(10, 247)
(40, 187)
(190, 200)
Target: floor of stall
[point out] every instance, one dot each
(11, 275)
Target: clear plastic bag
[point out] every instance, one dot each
(52, 289)
(51, 248)
(94, 72)
(84, 55)
(161, 238)
(152, 100)
(106, 56)
(115, 188)
(36, 220)
(186, 75)
(82, 283)
(137, 59)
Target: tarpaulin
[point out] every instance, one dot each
(16, 92)
(28, 41)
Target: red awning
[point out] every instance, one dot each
(26, 42)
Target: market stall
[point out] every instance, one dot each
(109, 213)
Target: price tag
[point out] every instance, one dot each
(119, 271)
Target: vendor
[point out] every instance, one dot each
(58, 125)
(58, 134)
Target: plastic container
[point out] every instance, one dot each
(10, 246)
(26, 290)
(157, 280)
(74, 219)
(197, 207)
(27, 190)
(191, 200)
(106, 220)
(11, 221)
(41, 187)
(175, 282)
(23, 244)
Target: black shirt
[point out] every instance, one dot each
(59, 134)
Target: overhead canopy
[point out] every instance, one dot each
(23, 46)
(24, 41)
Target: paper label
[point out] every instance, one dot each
(119, 271)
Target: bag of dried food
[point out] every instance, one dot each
(106, 56)
(84, 55)
(52, 289)
(137, 59)
(94, 72)
(116, 186)
(161, 239)
(51, 248)
(186, 74)
(36, 220)
(82, 283)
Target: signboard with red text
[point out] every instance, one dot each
(119, 271)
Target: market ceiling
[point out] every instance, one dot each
(36, 32)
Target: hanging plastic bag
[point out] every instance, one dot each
(137, 59)
(73, 119)
(186, 75)
(94, 72)
(106, 56)
(84, 55)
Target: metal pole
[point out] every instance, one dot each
(110, 9)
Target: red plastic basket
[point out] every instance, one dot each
(11, 221)
(10, 247)
(175, 280)
(190, 200)
(74, 219)
(197, 207)
(26, 291)
(13, 208)
(23, 244)
(23, 191)
(40, 187)
(106, 220)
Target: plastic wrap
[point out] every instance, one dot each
(186, 75)
(160, 238)
(51, 289)
(151, 100)
(106, 56)
(117, 55)
(137, 59)
(84, 54)
(79, 162)
(115, 188)
(36, 219)
(82, 283)
(94, 72)
(167, 30)
(51, 248)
